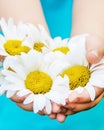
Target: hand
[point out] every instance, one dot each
(94, 48)
(75, 103)
(19, 101)
(79, 102)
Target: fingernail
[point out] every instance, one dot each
(92, 56)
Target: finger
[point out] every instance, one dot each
(56, 108)
(84, 96)
(70, 112)
(79, 97)
(41, 113)
(63, 110)
(1, 57)
(19, 99)
(27, 107)
(99, 91)
(53, 116)
(94, 48)
(73, 107)
(60, 117)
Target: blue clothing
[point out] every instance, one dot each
(58, 16)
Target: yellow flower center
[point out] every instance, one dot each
(78, 76)
(38, 82)
(63, 49)
(38, 46)
(14, 47)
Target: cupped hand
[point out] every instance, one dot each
(76, 102)
(80, 102)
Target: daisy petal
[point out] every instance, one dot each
(2, 40)
(54, 96)
(10, 93)
(23, 92)
(79, 90)
(35, 104)
(2, 91)
(41, 101)
(48, 106)
(57, 67)
(91, 92)
(29, 99)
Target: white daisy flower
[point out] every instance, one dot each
(57, 44)
(80, 74)
(32, 73)
(42, 42)
(13, 38)
(38, 37)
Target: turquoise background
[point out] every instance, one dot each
(58, 16)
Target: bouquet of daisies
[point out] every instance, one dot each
(43, 68)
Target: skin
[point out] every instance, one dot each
(84, 21)
(29, 11)
(88, 17)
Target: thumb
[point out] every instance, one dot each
(94, 48)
